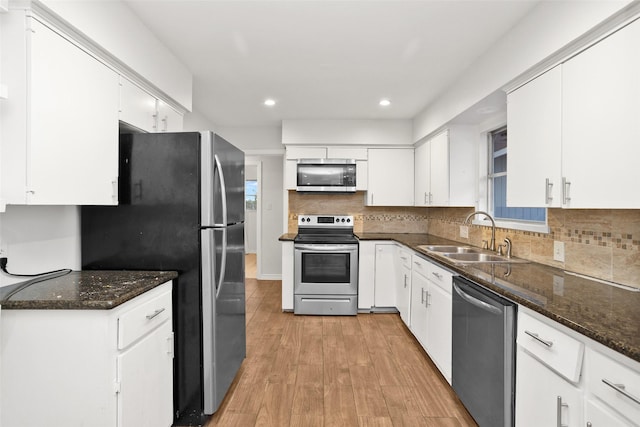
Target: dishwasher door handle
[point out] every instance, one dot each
(478, 303)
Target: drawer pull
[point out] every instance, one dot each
(540, 340)
(438, 275)
(155, 313)
(560, 405)
(620, 389)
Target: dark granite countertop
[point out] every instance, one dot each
(88, 290)
(604, 313)
(288, 237)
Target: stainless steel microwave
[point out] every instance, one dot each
(326, 175)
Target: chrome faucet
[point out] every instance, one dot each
(507, 242)
(492, 244)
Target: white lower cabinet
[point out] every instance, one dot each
(431, 311)
(598, 415)
(99, 368)
(544, 398)
(403, 284)
(566, 379)
(385, 275)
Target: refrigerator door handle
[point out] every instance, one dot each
(223, 262)
(223, 192)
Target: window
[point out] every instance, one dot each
(498, 189)
(251, 195)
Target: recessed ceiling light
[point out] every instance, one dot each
(269, 102)
(385, 103)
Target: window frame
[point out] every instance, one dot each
(485, 181)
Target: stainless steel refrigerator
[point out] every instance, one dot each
(181, 207)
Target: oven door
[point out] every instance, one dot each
(326, 269)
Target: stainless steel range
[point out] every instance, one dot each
(325, 266)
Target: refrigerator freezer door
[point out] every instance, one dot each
(223, 298)
(222, 182)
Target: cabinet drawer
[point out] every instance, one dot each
(559, 351)
(441, 277)
(143, 318)
(614, 383)
(404, 258)
(420, 265)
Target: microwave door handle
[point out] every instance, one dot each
(223, 192)
(223, 262)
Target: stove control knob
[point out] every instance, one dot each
(348, 219)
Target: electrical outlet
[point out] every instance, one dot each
(464, 231)
(558, 251)
(558, 285)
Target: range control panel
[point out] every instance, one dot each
(334, 221)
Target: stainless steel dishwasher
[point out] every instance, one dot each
(483, 353)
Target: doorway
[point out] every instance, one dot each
(252, 218)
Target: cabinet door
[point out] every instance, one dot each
(597, 415)
(403, 285)
(534, 148)
(169, 120)
(137, 107)
(440, 169)
(419, 287)
(145, 374)
(385, 276)
(366, 274)
(73, 146)
(542, 397)
(390, 177)
(439, 318)
(422, 184)
(600, 129)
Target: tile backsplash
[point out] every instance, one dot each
(603, 243)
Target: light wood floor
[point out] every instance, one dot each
(250, 266)
(364, 370)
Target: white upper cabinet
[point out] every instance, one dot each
(573, 131)
(168, 119)
(144, 111)
(445, 169)
(422, 166)
(600, 123)
(137, 107)
(60, 124)
(535, 137)
(390, 177)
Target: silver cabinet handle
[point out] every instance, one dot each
(537, 338)
(566, 185)
(438, 275)
(371, 198)
(422, 295)
(621, 389)
(405, 280)
(426, 303)
(430, 198)
(559, 407)
(589, 424)
(155, 313)
(425, 198)
(548, 189)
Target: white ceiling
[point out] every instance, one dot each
(324, 59)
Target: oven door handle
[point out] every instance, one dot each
(325, 248)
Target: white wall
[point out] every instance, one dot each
(271, 212)
(257, 140)
(39, 239)
(550, 26)
(347, 132)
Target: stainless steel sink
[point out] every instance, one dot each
(450, 249)
(468, 254)
(477, 257)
